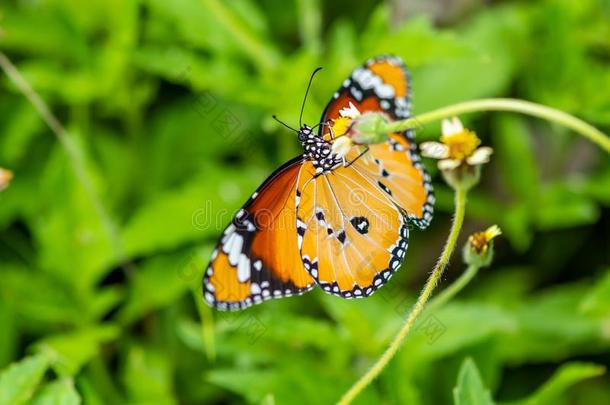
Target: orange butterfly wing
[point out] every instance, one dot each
(353, 235)
(257, 257)
(382, 84)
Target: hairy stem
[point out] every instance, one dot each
(458, 285)
(505, 104)
(437, 272)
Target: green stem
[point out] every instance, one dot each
(458, 285)
(505, 104)
(382, 362)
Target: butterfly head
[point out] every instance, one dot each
(305, 132)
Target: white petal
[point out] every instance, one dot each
(349, 112)
(492, 232)
(341, 146)
(480, 156)
(434, 150)
(449, 164)
(452, 126)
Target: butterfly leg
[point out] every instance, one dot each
(330, 131)
(366, 149)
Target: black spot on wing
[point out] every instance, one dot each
(341, 236)
(361, 224)
(384, 187)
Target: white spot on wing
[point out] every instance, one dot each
(235, 248)
(209, 297)
(243, 268)
(255, 288)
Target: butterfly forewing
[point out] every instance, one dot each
(257, 257)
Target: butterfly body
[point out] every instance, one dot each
(318, 150)
(337, 220)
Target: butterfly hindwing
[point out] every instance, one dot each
(396, 166)
(353, 236)
(257, 257)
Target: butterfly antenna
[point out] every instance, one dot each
(284, 124)
(306, 93)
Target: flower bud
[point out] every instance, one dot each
(478, 251)
(367, 128)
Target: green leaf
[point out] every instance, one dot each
(285, 383)
(553, 391)
(67, 226)
(598, 186)
(597, 301)
(564, 208)
(18, 132)
(161, 280)
(469, 389)
(519, 172)
(60, 392)
(38, 298)
(310, 17)
(454, 327)
(71, 351)
(9, 334)
(551, 326)
(201, 208)
(19, 380)
(148, 376)
(486, 69)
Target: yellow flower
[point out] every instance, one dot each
(479, 241)
(5, 178)
(340, 126)
(458, 146)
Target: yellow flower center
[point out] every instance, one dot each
(479, 242)
(461, 145)
(340, 126)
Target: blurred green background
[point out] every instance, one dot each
(169, 104)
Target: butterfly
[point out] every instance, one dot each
(336, 220)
